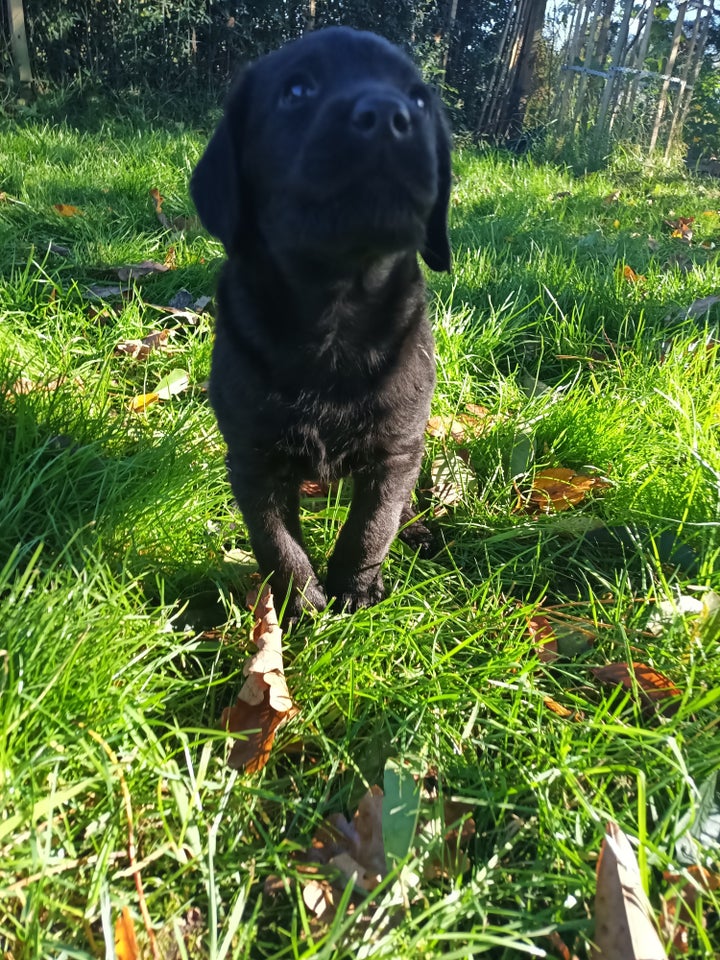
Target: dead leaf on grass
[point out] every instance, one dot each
(555, 636)
(126, 945)
(681, 228)
(699, 307)
(140, 349)
(543, 636)
(135, 271)
(264, 702)
(653, 686)
(177, 223)
(453, 480)
(678, 909)
(107, 291)
(624, 925)
(67, 210)
(631, 276)
(559, 488)
(474, 422)
(142, 401)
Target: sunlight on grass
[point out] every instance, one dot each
(122, 614)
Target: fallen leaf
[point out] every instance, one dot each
(624, 926)
(681, 228)
(142, 401)
(320, 898)
(67, 210)
(136, 270)
(630, 275)
(140, 349)
(652, 685)
(557, 708)
(559, 488)
(701, 833)
(400, 810)
(264, 701)
(475, 421)
(107, 292)
(678, 908)
(542, 634)
(126, 945)
(175, 382)
(698, 307)
(59, 250)
(559, 638)
(453, 480)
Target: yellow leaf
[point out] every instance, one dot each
(67, 210)
(630, 275)
(142, 401)
(126, 945)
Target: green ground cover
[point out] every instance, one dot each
(122, 620)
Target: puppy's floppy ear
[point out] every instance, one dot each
(436, 250)
(215, 183)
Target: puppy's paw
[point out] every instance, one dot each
(356, 596)
(418, 537)
(300, 604)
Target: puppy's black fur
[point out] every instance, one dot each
(328, 172)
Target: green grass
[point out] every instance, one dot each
(122, 622)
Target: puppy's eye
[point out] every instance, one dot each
(420, 98)
(296, 90)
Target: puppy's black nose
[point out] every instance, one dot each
(378, 115)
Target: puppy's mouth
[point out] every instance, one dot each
(366, 218)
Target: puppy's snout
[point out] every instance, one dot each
(381, 116)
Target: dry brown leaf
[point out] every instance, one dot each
(542, 634)
(140, 349)
(126, 945)
(475, 421)
(652, 685)
(558, 709)
(678, 907)
(264, 701)
(559, 488)
(453, 479)
(67, 210)
(624, 926)
(136, 270)
(320, 898)
(681, 228)
(630, 275)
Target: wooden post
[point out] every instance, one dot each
(662, 102)
(18, 41)
(690, 62)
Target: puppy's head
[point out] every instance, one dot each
(331, 149)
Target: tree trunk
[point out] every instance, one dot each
(310, 14)
(524, 80)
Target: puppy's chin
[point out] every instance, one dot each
(352, 232)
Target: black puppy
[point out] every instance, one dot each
(328, 172)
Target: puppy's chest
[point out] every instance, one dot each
(326, 437)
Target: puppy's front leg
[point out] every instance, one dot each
(354, 570)
(271, 514)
